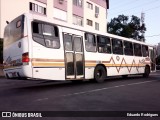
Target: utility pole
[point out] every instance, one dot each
(143, 26)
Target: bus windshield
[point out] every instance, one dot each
(14, 31)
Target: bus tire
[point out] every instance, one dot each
(146, 72)
(7, 76)
(99, 74)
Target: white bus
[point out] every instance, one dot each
(40, 48)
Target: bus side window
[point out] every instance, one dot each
(104, 45)
(37, 33)
(50, 33)
(117, 46)
(128, 48)
(137, 49)
(90, 42)
(37, 28)
(48, 30)
(145, 51)
(46, 35)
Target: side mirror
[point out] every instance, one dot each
(7, 22)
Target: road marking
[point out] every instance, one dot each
(96, 90)
(154, 74)
(41, 99)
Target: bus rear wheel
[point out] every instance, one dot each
(99, 74)
(146, 72)
(7, 76)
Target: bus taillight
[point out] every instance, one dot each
(25, 57)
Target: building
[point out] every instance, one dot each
(90, 14)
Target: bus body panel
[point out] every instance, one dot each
(48, 63)
(49, 73)
(14, 48)
(51, 63)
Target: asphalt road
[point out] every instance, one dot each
(115, 94)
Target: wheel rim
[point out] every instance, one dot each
(99, 73)
(147, 71)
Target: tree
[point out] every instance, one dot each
(130, 28)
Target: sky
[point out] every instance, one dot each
(151, 8)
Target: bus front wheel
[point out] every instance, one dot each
(146, 72)
(99, 74)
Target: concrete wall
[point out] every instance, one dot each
(13, 8)
(90, 14)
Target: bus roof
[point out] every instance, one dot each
(63, 24)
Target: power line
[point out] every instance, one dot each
(123, 4)
(148, 10)
(153, 35)
(152, 8)
(137, 6)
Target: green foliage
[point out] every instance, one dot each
(130, 28)
(1, 51)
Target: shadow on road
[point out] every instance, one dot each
(47, 85)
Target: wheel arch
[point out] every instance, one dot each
(148, 66)
(100, 73)
(102, 66)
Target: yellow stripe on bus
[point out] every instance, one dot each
(40, 64)
(117, 65)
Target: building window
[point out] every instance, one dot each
(96, 26)
(89, 22)
(96, 10)
(78, 2)
(37, 8)
(77, 20)
(90, 6)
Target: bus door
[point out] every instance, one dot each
(152, 56)
(74, 56)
